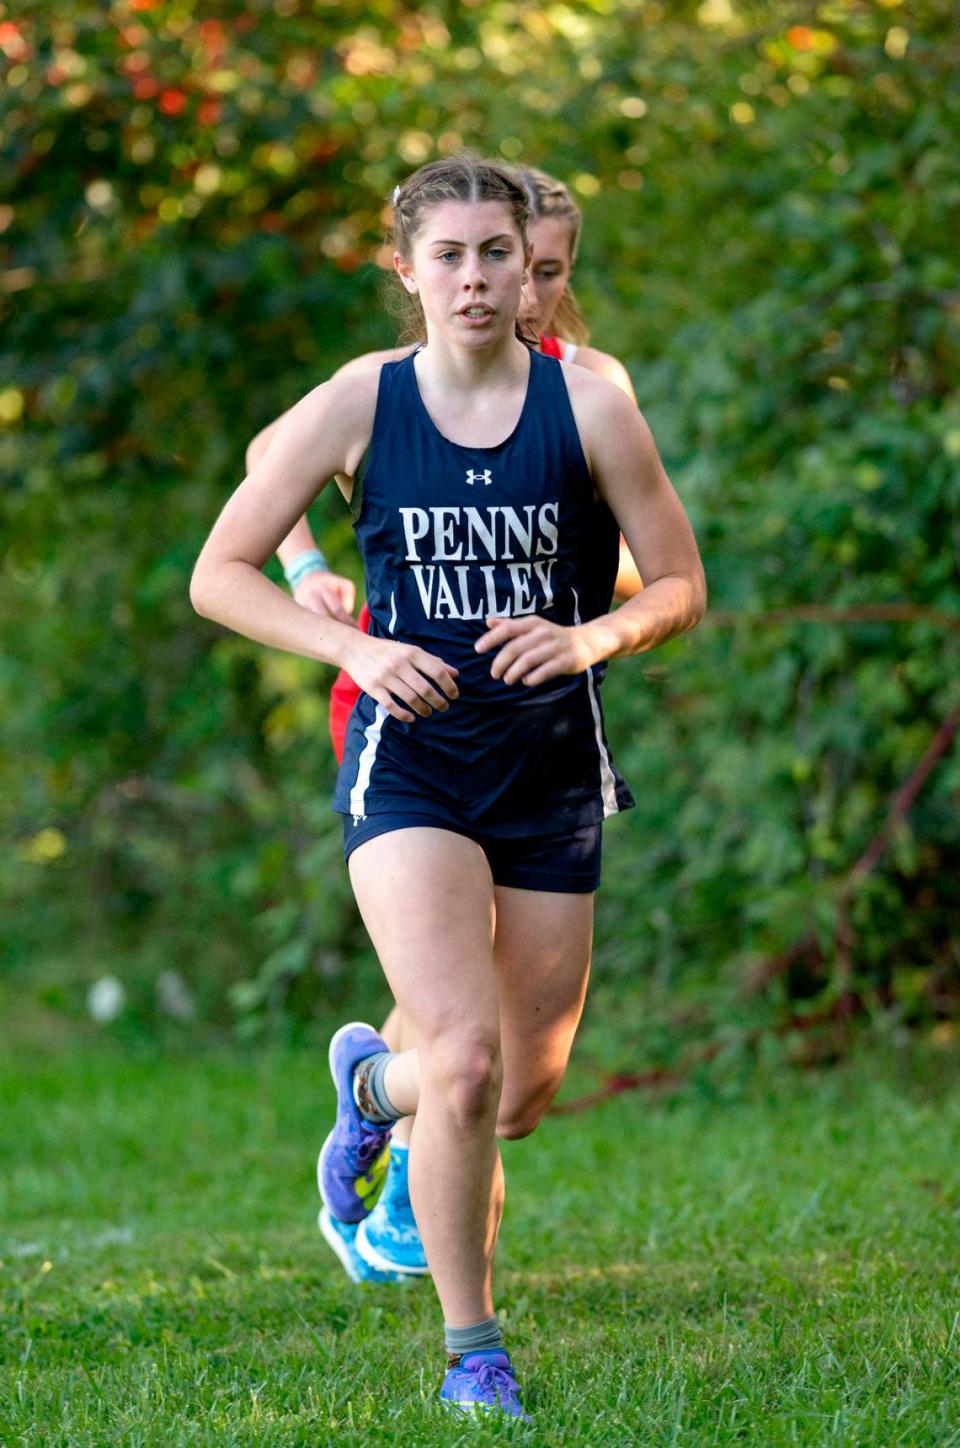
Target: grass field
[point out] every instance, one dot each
(779, 1267)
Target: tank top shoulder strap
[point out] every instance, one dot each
(557, 423)
(390, 392)
(570, 350)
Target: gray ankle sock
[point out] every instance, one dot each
(486, 1336)
(369, 1092)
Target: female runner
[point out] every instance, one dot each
(552, 313)
(386, 1246)
(475, 775)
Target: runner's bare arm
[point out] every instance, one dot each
(603, 364)
(323, 592)
(629, 475)
(628, 581)
(322, 435)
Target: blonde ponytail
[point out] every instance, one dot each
(568, 321)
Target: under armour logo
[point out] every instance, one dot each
(485, 477)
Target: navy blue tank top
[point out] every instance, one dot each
(451, 535)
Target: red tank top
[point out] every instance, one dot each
(343, 696)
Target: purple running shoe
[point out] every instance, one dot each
(483, 1382)
(352, 1166)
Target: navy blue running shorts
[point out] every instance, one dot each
(567, 863)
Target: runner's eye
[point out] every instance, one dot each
(497, 251)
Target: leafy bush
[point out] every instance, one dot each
(192, 212)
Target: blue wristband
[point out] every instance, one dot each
(311, 560)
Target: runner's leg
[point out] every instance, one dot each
(542, 942)
(427, 900)
(392, 1029)
(398, 1036)
(542, 962)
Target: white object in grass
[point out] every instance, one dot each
(174, 997)
(106, 998)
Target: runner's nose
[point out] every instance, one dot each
(474, 279)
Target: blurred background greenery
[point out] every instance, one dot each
(192, 207)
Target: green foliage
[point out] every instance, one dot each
(191, 214)
(814, 434)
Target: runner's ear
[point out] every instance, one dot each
(405, 273)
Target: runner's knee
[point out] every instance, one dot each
(520, 1116)
(514, 1128)
(466, 1070)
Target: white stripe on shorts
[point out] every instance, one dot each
(608, 782)
(365, 764)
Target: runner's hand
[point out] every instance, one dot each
(531, 649)
(398, 674)
(329, 595)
